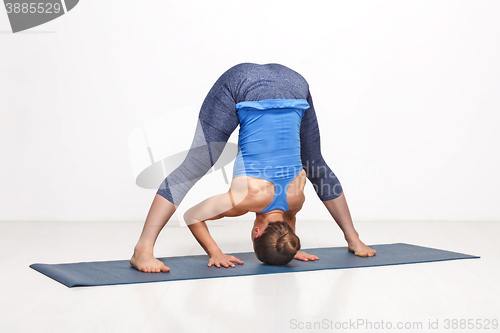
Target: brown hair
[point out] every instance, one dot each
(277, 245)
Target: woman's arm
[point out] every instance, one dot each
(213, 208)
(202, 235)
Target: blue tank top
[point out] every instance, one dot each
(269, 144)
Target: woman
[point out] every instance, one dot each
(217, 120)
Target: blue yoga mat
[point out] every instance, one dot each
(100, 273)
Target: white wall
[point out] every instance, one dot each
(406, 92)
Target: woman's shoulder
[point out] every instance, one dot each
(253, 193)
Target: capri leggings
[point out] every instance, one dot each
(218, 119)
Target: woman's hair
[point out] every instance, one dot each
(277, 245)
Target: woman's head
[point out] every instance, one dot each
(277, 244)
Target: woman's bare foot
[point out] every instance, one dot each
(360, 249)
(144, 261)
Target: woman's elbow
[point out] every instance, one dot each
(188, 217)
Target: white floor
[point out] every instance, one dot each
(450, 294)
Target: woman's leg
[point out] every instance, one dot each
(143, 259)
(216, 121)
(326, 183)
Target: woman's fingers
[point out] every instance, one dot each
(223, 263)
(305, 256)
(233, 258)
(226, 261)
(310, 256)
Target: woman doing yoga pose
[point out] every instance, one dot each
(247, 83)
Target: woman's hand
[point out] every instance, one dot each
(224, 260)
(301, 255)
